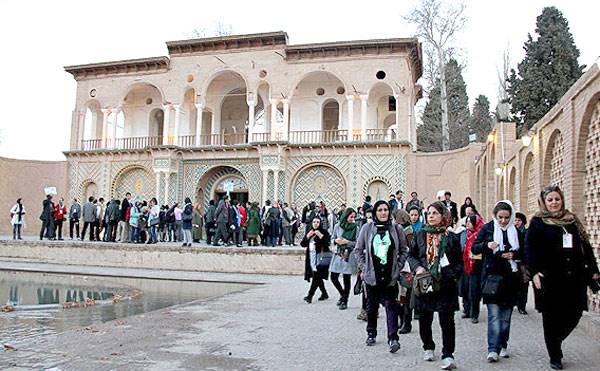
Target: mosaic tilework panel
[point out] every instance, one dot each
(270, 186)
(138, 181)
(556, 163)
(592, 190)
(319, 183)
(80, 175)
(281, 186)
(531, 189)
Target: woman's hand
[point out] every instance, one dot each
(537, 280)
(492, 245)
(319, 234)
(420, 270)
(341, 241)
(507, 255)
(310, 233)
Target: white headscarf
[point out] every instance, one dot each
(511, 231)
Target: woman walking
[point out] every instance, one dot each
(134, 221)
(197, 224)
(381, 252)
(500, 244)
(17, 213)
(318, 259)
(153, 220)
(561, 260)
(435, 256)
(343, 261)
(186, 222)
(473, 266)
(253, 229)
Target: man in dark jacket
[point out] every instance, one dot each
(47, 219)
(209, 221)
(74, 216)
(112, 220)
(222, 219)
(452, 207)
(89, 218)
(123, 228)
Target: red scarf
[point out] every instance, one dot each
(471, 236)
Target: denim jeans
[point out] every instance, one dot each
(135, 234)
(498, 326)
(153, 238)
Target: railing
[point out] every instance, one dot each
(293, 137)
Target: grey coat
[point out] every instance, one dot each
(363, 252)
(89, 212)
(222, 213)
(338, 264)
(210, 214)
(75, 211)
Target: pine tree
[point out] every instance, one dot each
(481, 119)
(549, 68)
(429, 134)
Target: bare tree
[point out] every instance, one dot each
(437, 25)
(218, 29)
(503, 106)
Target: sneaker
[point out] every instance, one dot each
(492, 357)
(448, 363)
(405, 329)
(428, 355)
(362, 316)
(308, 299)
(323, 296)
(556, 365)
(504, 353)
(370, 341)
(474, 320)
(343, 306)
(394, 346)
(339, 302)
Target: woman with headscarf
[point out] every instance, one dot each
(562, 263)
(17, 213)
(317, 260)
(197, 224)
(472, 266)
(403, 219)
(435, 254)
(500, 244)
(415, 219)
(186, 222)
(254, 225)
(343, 261)
(381, 252)
(463, 207)
(134, 221)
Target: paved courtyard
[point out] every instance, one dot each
(269, 327)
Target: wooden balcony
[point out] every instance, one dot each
(293, 137)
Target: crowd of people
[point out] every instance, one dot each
(412, 260)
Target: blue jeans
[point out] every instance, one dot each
(498, 326)
(153, 234)
(135, 234)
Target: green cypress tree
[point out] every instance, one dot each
(548, 70)
(481, 119)
(429, 133)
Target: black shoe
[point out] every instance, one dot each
(343, 306)
(465, 315)
(308, 299)
(557, 365)
(323, 296)
(405, 329)
(339, 302)
(523, 312)
(394, 346)
(474, 320)
(370, 341)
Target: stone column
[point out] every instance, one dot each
(167, 174)
(350, 100)
(199, 111)
(251, 104)
(398, 118)
(115, 112)
(265, 184)
(157, 194)
(105, 113)
(363, 116)
(177, 123)
(80, 128)
(275, 185)
(166, 122)
(274, 128)
(286, 118)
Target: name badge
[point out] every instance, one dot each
(567, 241)
(444, 262)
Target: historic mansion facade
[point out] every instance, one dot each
(250, 115)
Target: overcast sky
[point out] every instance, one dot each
(40, 37)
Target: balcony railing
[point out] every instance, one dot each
(292, 137)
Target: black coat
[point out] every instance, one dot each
(565, 281)
(47, 208)
(446, 299)
(321, 246)
(494, 263)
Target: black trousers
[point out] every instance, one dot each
(73, 223)
(345, 290)
(85, 226)
(209, 232)
(558, 325)
(448, 332)
(388, 296)
(316, 282)
(58, 228)
(47, 229)
(522, 298)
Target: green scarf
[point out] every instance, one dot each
(381, 245)
(350, 229)
(434, 266)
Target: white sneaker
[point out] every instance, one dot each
(504, 353)
(428, 355)
(492, 357)
(448, 363)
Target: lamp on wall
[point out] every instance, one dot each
(498, 170)
(490, 137)
(526, 139)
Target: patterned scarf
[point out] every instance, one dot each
(562, 217)
(350, 229)
(437, 240)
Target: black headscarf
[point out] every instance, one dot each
(382, 225)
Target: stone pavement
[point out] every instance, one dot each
(269, 327)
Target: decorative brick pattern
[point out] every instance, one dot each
(592, 189)
(556, 163)
(319, 183)
(136, 180)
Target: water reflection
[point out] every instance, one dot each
(44, 295)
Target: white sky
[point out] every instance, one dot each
(38, 38)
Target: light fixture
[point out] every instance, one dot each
(491, 137)
(498, 170)
(526, 139)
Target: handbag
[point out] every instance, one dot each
(154, 221)
(491, 285)
(425, 284)
(358, 287)
(324, 260)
